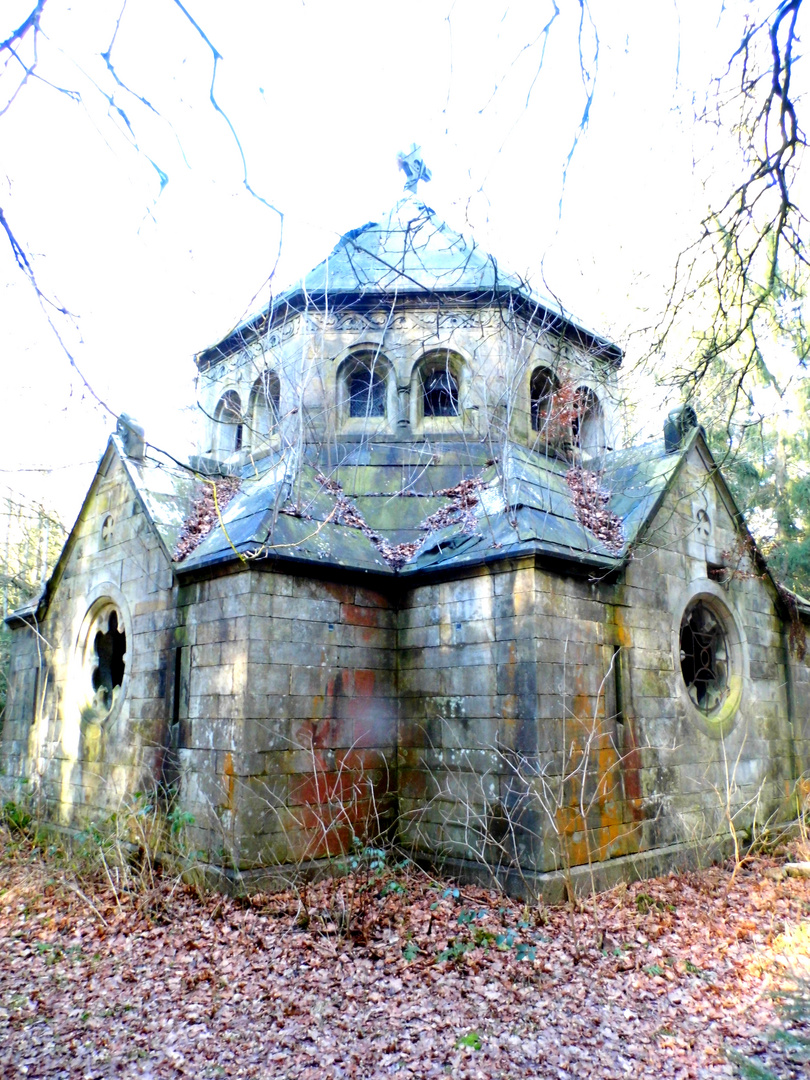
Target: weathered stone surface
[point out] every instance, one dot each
(531, 710)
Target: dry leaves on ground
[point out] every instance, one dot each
(657, 979)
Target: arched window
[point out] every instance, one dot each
(588, 423)
(542, 389)
(439, 377)
(228, 417)
(363, 386)
(264, 410)
(440, 394)
(366, 391)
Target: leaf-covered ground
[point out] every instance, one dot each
(408, 977)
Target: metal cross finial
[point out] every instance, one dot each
(414, 167)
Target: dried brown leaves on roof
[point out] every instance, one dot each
(655, 979)
(591, 507)
(461, 511)
(203, 516)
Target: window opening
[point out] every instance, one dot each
(704, 657)
(265, 407)
(366, 393)
(542, 389)
(108, 670)
(440, 393)
(587, 425)
(717, 572)
(228, 416)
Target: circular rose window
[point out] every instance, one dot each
(103, 658)
(705, 657)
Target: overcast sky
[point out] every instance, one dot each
(321, 95)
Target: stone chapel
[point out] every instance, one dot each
(413, 586)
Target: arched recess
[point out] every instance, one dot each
(228, 426)
(543, 385)
(264, 408)
(437, 386)
(364, 386)
(588, 422)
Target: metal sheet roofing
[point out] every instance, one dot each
(409, 252)
(373, 518)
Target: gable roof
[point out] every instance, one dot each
(164, 492)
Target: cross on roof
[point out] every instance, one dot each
(414, 167)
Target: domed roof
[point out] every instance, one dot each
(409, 253)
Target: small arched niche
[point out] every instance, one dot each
(543, 385)
(588, 422)
(438, 385)
(364, 386)
(264, 408)
(228, 425)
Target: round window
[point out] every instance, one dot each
(103, 659)
(713, 654)
(704, 657)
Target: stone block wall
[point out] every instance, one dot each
(681, 767)
(799, 690)
(287, 727)
(545, 719)
(18, 727)
(515, 714)
(79, 770)
(507, 747)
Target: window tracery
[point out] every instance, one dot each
(704, 657)
(367, 392)
(102, 660)
(364, 383)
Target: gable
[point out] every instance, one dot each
(115, 537)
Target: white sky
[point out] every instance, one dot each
(322, 94)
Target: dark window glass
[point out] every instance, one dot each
(366, 393)
(440, 393)
(704, 657)
(543, 386)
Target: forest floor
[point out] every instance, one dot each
(392, 973)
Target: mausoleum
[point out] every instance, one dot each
(414, 584)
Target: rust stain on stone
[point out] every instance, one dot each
(582, 706)
(229, 778)
(364, 682)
